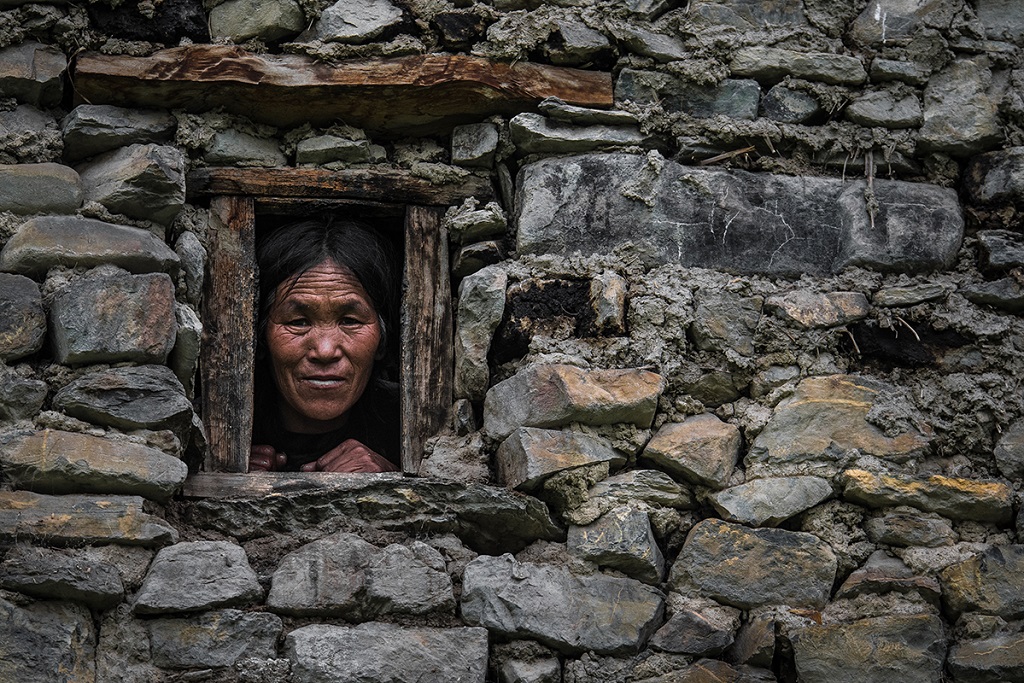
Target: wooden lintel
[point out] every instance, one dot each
(309, 183)
(415, 95)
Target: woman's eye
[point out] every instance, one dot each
(298, 322)
(349, 321)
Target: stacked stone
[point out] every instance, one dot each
(746, 347)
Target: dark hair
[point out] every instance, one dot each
(293, 249)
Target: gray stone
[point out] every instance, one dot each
(529, 456)
(31, 72)
(327, 149)
(47, 241)
(241, 20)
(905, 526)
(644, 489)
(1005, 293)
(996, 177)
(474, 145)
(77, 519)
(813, 431)
(28, 135)
(538, 671)
(981, 501)
(886, 22)
(234, 148)
(991, 582)
(648, 8)
(881, 108)
(882, 574)
(213, 639)
(690, 632)
(622, 539)
(961, 117)
(735, 98)
(385, 653)
(21, 398)
(356, 21)
(810, 310)
(608, 298)
(769, 502)
(61, 575)
(657, 46)
(774, 64)
(111, 317)
(92, 129)
(744, 14)
(39, 188)
(1001, 19)
(1001, 249)
(195, 576)
(557, 395)
(883, 70)
(557, 110)
(910, 295)
(771, 378)
(536, 134)
(141, 181)
(732, 220)
(467, 223)
(787, 105)
(580, 44)
(480, 306)
(67, 462)
(122, 650)
(570, 613)
(129, 398)
(747, 568)
(910, 649)
(1009, 452)
(193, 265)
(701, 449)
(343, 575)
(999, 659)
(46, 641)
(725, 321)
(184, 358)
(754, 643)
(22, 318)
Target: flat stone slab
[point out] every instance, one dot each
(748, 568)
(213, 639)
(79, 519)
(952, 497)
(770, 63)
(142, 181)
(61, 575)
(999, 658)
(384, 653)
(92, 129)
(39, 188)
(536, 134)
(530, 455)
(53, 461)
(570, 613)
(32, 73)
(731, 220)
(769, 502)
(195, 576)
(47, 241)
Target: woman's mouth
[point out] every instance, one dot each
(325, 382)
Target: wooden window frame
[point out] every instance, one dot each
(229, 301)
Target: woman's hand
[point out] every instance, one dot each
(265, 459)
(350, 456)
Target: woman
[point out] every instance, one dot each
(327, 292)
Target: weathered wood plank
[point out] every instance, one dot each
(383, 185)
(427, 360)
(258, 485)
(298, 206)
(419, 94)
(229, 334)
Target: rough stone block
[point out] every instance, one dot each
(72, 519)
(383, 653)
(66, 462)
(39, 188)
(734, 98)
(725, 321)
(882, 574)
(145, 182)
(991, 582)
(747, 568)
(22, 318)
(195, 576)
(810, 310)
(234, 148)
(881, 108)
(570, 613)
(702, 450)
(910, 295)
(21, 398)
(745, 15)
(28, 136)
(184, 358)
(92, 129)
(731, 220)
(786, 105)
(1005, 294)
(621, 539)
(108, 317)
(480, 306)
(536, 134)
(769, 502)
(61, 575)
(1009, 452)
(467, 223)
(474, 145)
(530, 455)
(774, 64)
(906, 526)
(329, 149)
(556, 395)
(31, 72)
(537, 671)
(213, 639)
(47, 241)
(754, 644)
(961, 116)
(910, 649)
(45, 639)
(693, 632)
(951, 497)
(1001, 250)
(638, 487)
(658, 46)
(241, 20)
(356, 21)
(999, 658)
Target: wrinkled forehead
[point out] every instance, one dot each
(326, 281)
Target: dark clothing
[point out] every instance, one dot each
(373, 422)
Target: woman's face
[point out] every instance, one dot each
(323, 334)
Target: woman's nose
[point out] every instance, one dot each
(325, 344)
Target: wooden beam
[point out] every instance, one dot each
(229, 334)
(427, 345)
(383, 185)
(416, 95)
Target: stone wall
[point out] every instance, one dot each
(737, 362)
